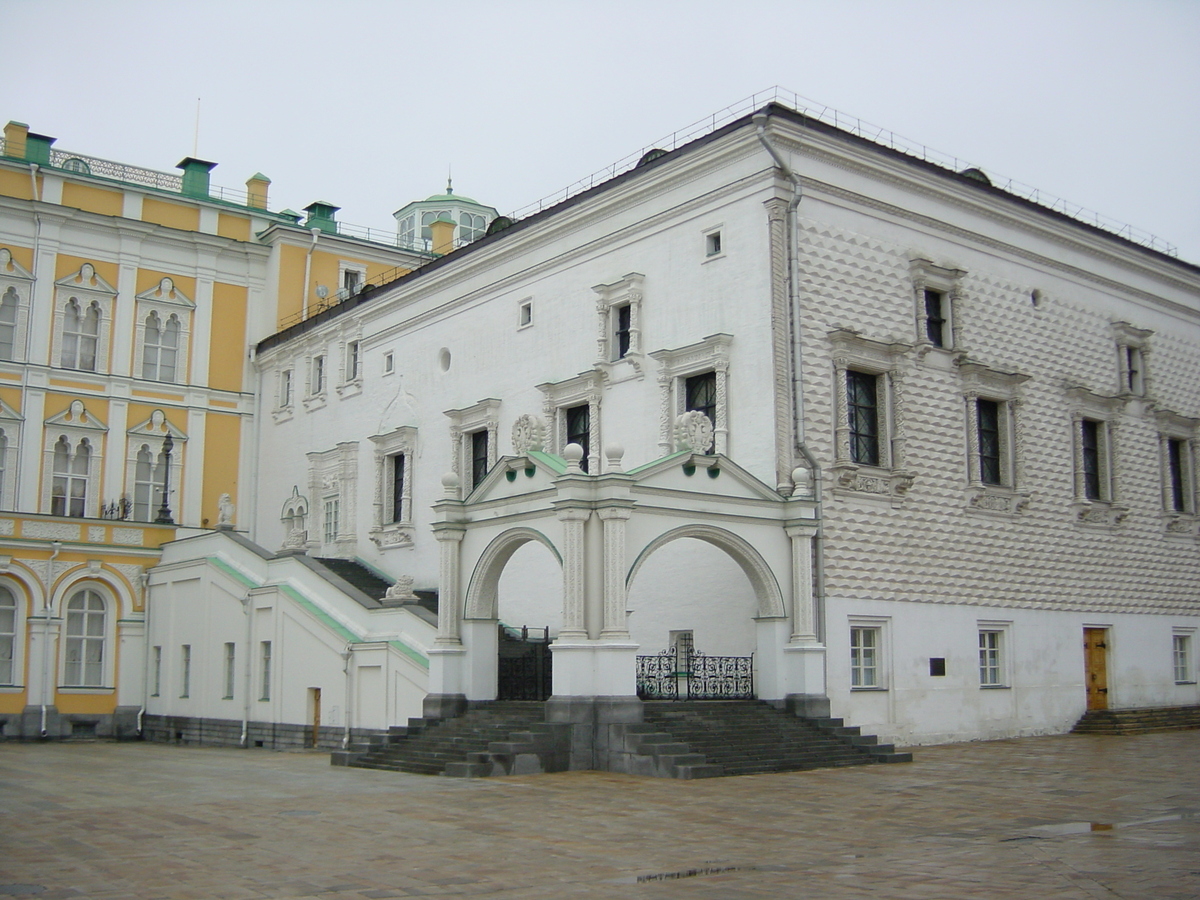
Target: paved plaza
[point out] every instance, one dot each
(1060, 817)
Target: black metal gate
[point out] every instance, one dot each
(682, 673)
(524, 664)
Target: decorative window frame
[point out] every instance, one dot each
(1108, 511)
(12, 427)
(333, 474)
(348, 385)
(946, 280)
(1003, 628)
(1132, 341)
(1172, 426)
(674, 368)
(484, 415)
(344, 266)
(294, 517)
(384, 533)
(21, 616)
(76, 424)
(152, 432)
(86, 580)
(881, 625)
(164, 299)
(14, 275)
(285, 394)
(885, 359)
(85, 287)
(1010, 497)
(316, 394)
(585, 387)
(609, 298)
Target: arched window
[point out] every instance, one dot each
(81, 334)
(161, 348)
(8, 323)
(147, 483)
(85, 640)
(68, 496)
(8, 636)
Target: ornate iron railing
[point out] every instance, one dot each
(671, 675)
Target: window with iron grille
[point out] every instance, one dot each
(578, 421)
(1177, 459)
(935, 317)
(700, 394)
(991, 470)
(479, 457)
(863, 410)
(1090, 436)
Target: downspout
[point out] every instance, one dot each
(57, 545)
(145, 580)
(760, 120)
(346, 655)
(316, 232)
(244, 741)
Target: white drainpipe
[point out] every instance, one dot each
(316, 232)
(245, 739)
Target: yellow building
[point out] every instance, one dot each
(128, 299)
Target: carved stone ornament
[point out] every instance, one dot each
(529, 433)
(297, 539)
(400, 592)
(225, 509)
(693, 431)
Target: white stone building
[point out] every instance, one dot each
(953, 438)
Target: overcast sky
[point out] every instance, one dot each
(367, 104)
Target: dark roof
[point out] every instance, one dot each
(968, 177)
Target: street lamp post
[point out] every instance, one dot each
(164, 511)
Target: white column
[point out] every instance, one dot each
(574, 520)
(614, 622)
(804, 614)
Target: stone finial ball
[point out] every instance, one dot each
(572, 453)
(451, 481)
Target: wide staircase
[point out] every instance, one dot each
(444, 746)
(1138, 721)
(746, 737)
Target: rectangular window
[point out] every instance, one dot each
(285, 388)
(330, 521)
(863, 410)
(185, 672)
(990, 673)
(712, 243)
(351, 281)
(156, 672)
(579, 430)
(988, 417)
(1091, 435)
(8, 636)
(621, 331)
(1134, 379)
(700, 393)
(398, 487)
(265, 672)
(1182, 658)
(230, 653)
(1176, 477)
(318, 375)
(525, 314)
(935, 317)
(479, 456)
(389, 363)
(864, 657)
(352, 349)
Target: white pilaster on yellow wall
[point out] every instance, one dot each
(131, 205)
(115, 453)
(124, 312)
(188, 509)
(202, 326)
(208, 220)
(33, 407)
(43, 293)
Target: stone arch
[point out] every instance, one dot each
(766, 587)
(481, 599)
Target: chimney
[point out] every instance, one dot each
(195, 176)
(15, 135)
(256, 190)
(320, 215)
(443, 235)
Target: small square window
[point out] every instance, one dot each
(937, 666)
(389, 363)
(525, 314)
(712, 243)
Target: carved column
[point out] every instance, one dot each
(721, 426)
(804, 614)
(1111, 449)
(1016, 404)
(593, 447)
(573, 519)
(956, 297)
(781, 357)
(1164, 463)
(1147, 386)
(603, 353)
(899, 428)
(922, 318)
(1193, 446)
(974, 473)
(635, 321)
(449, 539)
(665, 419)
(842, 414)
(614, 621)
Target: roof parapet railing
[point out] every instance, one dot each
(859, 128)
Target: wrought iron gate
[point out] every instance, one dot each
(682, 673)
(524, 664)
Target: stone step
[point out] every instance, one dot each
(1138, 721)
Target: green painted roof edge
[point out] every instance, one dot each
(415, 655)
(233, 573)
(655, 462)
(557, 463)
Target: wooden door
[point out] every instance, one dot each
(315, 695)
(1095, 664)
